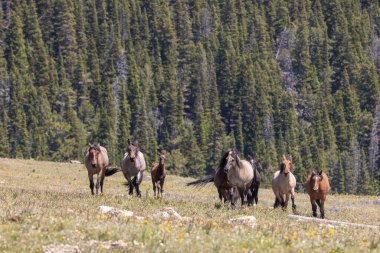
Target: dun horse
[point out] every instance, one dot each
(317, 186)
(283, 183)
(96, 161)
(220, 181)
(133, 166)
(254, 189)
(158, 176)
(239, 174)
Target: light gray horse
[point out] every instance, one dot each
(133, 166)
(239, 173)
(96, 162)
(283, 183)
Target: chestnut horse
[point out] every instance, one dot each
(317, 186)
(96, 162)
(158, 174)
(283, 183)
(254, 189)
(133, 165)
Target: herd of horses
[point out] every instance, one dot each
(235, 177)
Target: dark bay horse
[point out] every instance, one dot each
(317, 186)
(283, 183)
(220, 181)
(253, 192)
(133, 166)
(96, 162)
(158, 175)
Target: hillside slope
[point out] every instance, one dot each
(45, 205)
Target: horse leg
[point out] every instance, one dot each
(294, 207)
(278, 201)
(242, 197)
(158, 188)
(231, 197)
(91, 178)
(138, 178)
(130, 187)
(162, 181)
(321, 204)
(102, 175)
(256, 193)
(250, 194)
(97, 186)
(154, 187)
(313, 207)
(221, 195)
(285, 203)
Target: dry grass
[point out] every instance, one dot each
(46, 205)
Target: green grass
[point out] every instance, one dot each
(45, 203)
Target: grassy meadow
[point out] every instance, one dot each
(47, 204)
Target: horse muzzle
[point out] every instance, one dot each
(93, 165)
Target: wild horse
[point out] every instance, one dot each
(283, 183)
(96, 162)
(158, 175)
(253, 193)
(317, 186)
(133, 166)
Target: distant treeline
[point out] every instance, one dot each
(194, 78)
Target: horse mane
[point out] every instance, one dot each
(223, 161)
(94, 146)
(235, 154)
(320, 173)
(314, 173)
(136, 144)
(282, 165)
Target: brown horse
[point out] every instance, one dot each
(283, 183)
(133, 166)
(220, 181)
(96, 162)
(317, 186)
(254, 189)
(158, 174)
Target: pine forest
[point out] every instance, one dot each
(192, 78)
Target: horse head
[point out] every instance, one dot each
(162, 158)
(315, 179)
(286, 165)
(232, 160)
(93, 153)
(132, 150)
(253, 160)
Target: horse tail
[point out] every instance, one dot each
(201, 182)
(111, 171)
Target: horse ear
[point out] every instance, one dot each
(284, 157)
(129, 141)
(320, 173)
(89, 145)
(290, 158)
(257, 158)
